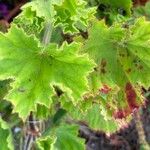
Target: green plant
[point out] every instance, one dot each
(100, 70)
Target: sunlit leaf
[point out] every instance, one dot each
(37, 69)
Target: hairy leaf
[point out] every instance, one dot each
(44, 8)
(37, 69)
(29, 22)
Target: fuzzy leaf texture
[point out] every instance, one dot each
(64, 137)
(123, 63)
(36, 69)
(28, 21)
(70, 14)
(73, 15)
(47, 7)
(6, 137)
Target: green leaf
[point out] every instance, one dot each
(46, 143)
(6, 137)
(123, 62)
(97, 121)
(73, 15)
(59, 115)
(70, 14)
(44, 8)
(37, 69)
(64, 137)
(94, 119)
(42, 112)
(29, 22)
(91, 111)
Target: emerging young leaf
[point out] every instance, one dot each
(37, 69)
(44, 8)
(123, 63)
(64, 137)
(73, 15)
(6, 137)
(28, 21)
(70, 14)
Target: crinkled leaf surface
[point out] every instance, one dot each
(44, 8)
(65, 137)
(71, 14)
(123, 63)
(36, 69)
(28, 21)
(6, 138)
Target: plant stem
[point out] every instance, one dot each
(140, 130)
(47, 33)
(31, 137)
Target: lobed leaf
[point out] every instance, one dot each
(70, 14)
(37, 69)
(43, 8)
(123, 57)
